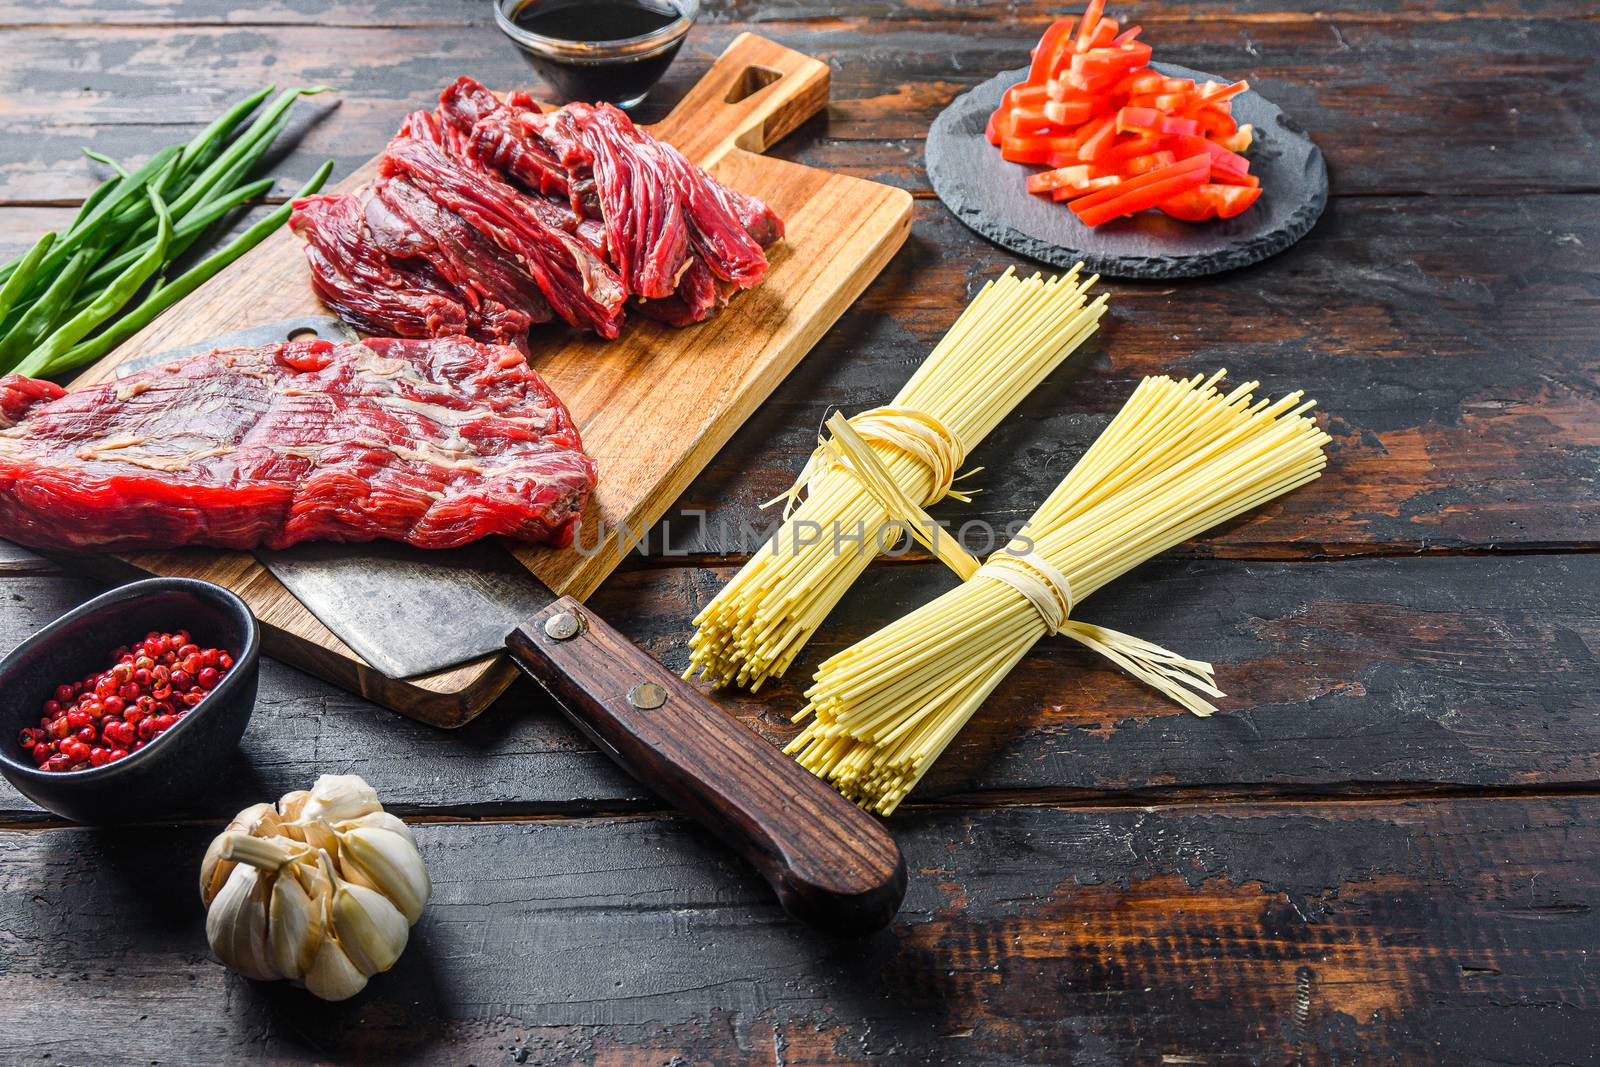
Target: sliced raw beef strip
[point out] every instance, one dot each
(716, 227)
(645, 227)
(435, 443)
(485, 131)
(579, 286)
(697, 296)
(500, 142)
(362, 284)
(428, 126)
(758, 220)
(465, 101)
(407, 223)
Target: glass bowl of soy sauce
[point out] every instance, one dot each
(598, 50)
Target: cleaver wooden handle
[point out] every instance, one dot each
(831, 864)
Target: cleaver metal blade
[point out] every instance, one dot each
(390, 602)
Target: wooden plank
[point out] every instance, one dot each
(1458, 932)
(1354, 677)
(1443, 89)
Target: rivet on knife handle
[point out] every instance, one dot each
(831, 864)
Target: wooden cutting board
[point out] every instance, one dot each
(654, 406)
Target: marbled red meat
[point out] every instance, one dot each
(579, 286)
(435, 443)
(585, 212)
(409, 225)
(367, 288)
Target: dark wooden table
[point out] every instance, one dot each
(1384, 849)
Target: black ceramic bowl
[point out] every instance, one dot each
(608, 63)
(178, 763)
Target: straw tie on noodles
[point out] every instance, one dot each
(1014, 333)
(1179, 458)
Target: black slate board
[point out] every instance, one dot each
(987, 193)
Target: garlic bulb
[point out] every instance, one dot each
(321, 890)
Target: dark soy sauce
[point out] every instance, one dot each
(607, 71)
(594, 20)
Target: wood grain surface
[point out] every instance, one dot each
(1381, 852)
(1425, 931)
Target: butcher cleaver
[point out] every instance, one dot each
(830, 863)
(390, 602)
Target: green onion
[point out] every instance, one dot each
(22, 276)
(108, 303)
(168, 293)
(47, 310)
(74, 295)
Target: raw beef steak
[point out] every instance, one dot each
(431, 442)
(489, 216)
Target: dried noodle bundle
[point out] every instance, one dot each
(1013, 334)
(1179, 458)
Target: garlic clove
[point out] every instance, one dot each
(257, 820)
(331, 975)
(271, 854)
(319, 835)
(386, 861)
(337, 797)
(236, 924)
(294, 924)
(371, 930)
(380, 820)
(290, 805)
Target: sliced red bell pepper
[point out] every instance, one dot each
(1223, 162)
(1032, 122)
(1210, 202)
(1050, 180)
(1213, 121)
(1025, 95)
(1143, 119)
(1240, 141)
(1044, 53)
(1026, 149)
(1130, 145)
(1072, 192)
(1217, 94)
(1196, 164)
(1148, 120)
(1069, 112)
(1142, 81)
(1137, 165)
(1118, 136)
(1190, 206)
(1099, 140)
(1237, 200)
(1091, 17)
(1187, 173)
(1105, 31)
(1079, 176)
(1137, 200)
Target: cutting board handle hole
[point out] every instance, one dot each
(750, 81)
(303, 333)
